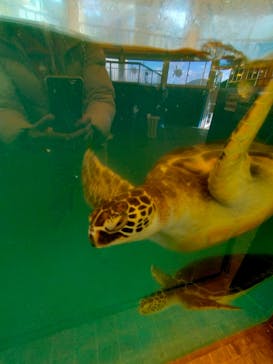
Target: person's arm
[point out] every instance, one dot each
(14, 124)
(12, 115)
(99, 108)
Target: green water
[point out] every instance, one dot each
(52, 275)
(53, 280)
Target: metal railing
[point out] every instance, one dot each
(254, 74)
(133, 72)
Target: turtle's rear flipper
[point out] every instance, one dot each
(100, 184)
(232, 170)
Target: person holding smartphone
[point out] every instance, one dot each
(29, 56)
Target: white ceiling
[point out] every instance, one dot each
(245, 24)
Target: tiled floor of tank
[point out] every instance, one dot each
(128, 338)
(251, 346)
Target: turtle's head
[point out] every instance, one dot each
(154, 303)
(128, 217)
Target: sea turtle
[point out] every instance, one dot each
(193, 198)
(180, 290)
(194, 287)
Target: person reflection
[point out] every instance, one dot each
(28, 55)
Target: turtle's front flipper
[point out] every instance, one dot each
(232, 170)
(165, 280)
(196, 300)
(99, 182)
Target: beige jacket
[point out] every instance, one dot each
(27, 56)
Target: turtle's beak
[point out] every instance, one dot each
(93, 233)
(101, 239)
(93, 237)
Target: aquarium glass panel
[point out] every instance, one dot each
(136, 174)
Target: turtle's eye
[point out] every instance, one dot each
(115, 223)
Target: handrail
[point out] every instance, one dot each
(141, 74)
(138, 63)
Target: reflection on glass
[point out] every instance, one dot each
(53, 85)
(190, 73)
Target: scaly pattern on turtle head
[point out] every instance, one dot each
(154, 303)
(127, 217)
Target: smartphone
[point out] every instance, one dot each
(65, 95)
